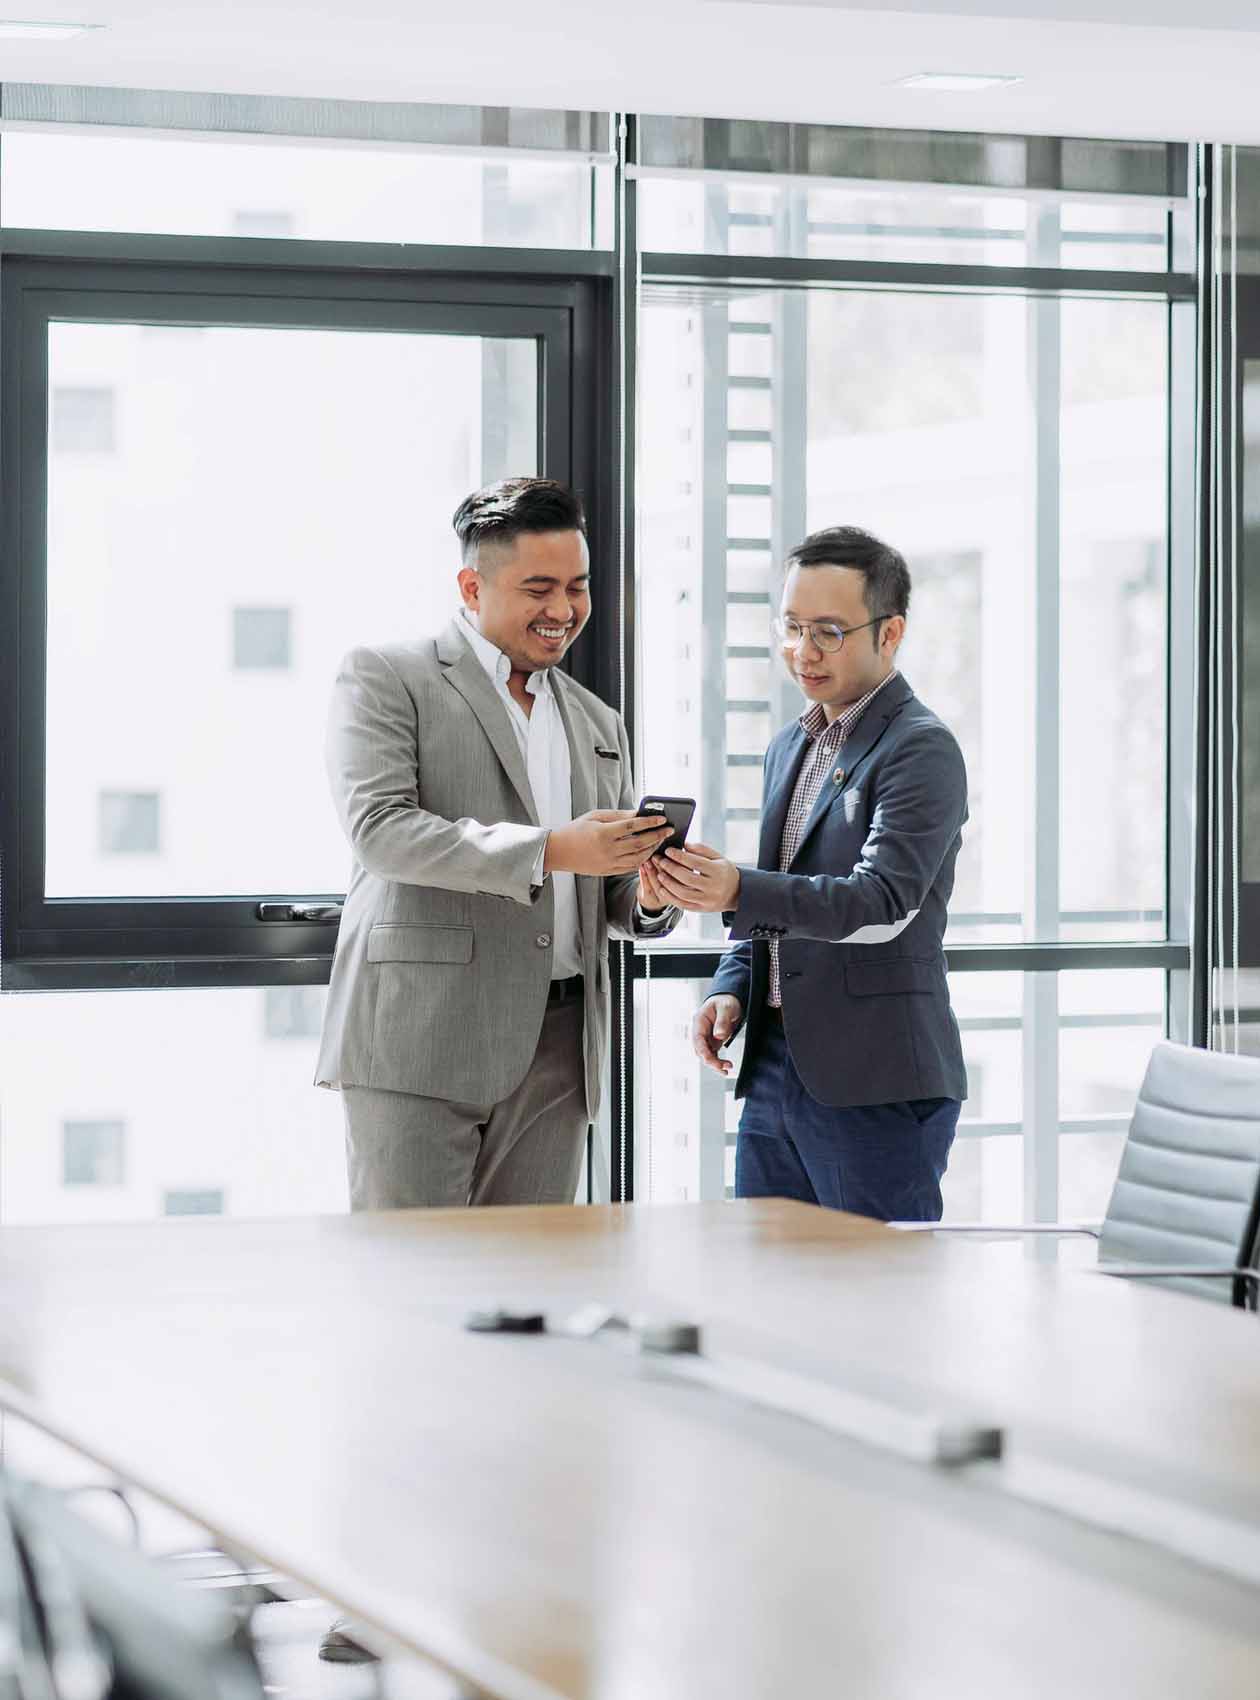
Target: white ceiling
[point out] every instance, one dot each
(787, 59)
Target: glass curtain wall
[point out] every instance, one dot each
(230, 506)
(1014, 437)
(975, 345)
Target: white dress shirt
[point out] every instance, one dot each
(545, 748)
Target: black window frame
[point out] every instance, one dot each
(562, 299)
(1246, 328)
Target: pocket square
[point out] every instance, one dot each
(608, 755)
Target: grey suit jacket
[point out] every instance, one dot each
(860, 913)
(443, 961)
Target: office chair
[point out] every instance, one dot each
(98, 1621)
(1185, 1207)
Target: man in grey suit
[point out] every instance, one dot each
(489, 803)
(853, 1075)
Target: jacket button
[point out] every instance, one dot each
(543, 940)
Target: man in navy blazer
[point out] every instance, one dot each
(853, 1074)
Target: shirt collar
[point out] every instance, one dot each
(496, 663)
(814, 720)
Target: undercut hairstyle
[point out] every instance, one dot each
(513, 507)
(886, 587)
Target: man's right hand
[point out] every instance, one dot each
(607, 841)
(713, 1024)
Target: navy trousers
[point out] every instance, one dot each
(882, 1160)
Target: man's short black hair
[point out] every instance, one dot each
(504, 511)
(887, 586)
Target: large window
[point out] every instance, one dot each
(245, 383)
(1014, 437)
(282, 457)
(303, 470)
(944, 424)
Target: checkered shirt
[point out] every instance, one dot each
(828, 741)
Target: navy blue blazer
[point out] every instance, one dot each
(860, 913)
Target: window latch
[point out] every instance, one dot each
(298, 911)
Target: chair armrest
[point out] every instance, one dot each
(1090, 1228)
(1157, 1271)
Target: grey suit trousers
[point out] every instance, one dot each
(404, 1150)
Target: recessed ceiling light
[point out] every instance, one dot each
(13, 30)
(954, 81)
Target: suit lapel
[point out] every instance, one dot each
(774, 814)
(464, 671)
(869, 730)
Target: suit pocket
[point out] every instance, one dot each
(896, 974)
(415, 941)
(607, 777)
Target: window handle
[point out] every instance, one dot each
(299, 911)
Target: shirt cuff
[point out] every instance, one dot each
(652, 917)
(539, 876)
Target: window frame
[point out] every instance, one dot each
(599, 291)
(560, 299)
(1039, 962)
(1246, 328)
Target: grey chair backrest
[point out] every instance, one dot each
(105, 1605)
(1188, 1189)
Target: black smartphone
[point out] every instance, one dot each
(678, 811)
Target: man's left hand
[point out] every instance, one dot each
(698, 879)
(652, 899)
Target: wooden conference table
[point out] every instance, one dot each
(552, 1516)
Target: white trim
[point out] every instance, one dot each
(878, 932)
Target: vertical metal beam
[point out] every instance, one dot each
(1201, 923)
(1041, 896)
(3, 1120)
(620, 684)
(1185, 617)
(1230, 425)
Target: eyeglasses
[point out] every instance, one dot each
(825, 633)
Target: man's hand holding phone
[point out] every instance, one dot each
(606, 841)
(679, 812)
(699, 879)
(714, 1024)
(652, 898)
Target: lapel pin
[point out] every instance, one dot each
(838, 776)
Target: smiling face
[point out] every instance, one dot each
(530, 597)
(834, 595)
